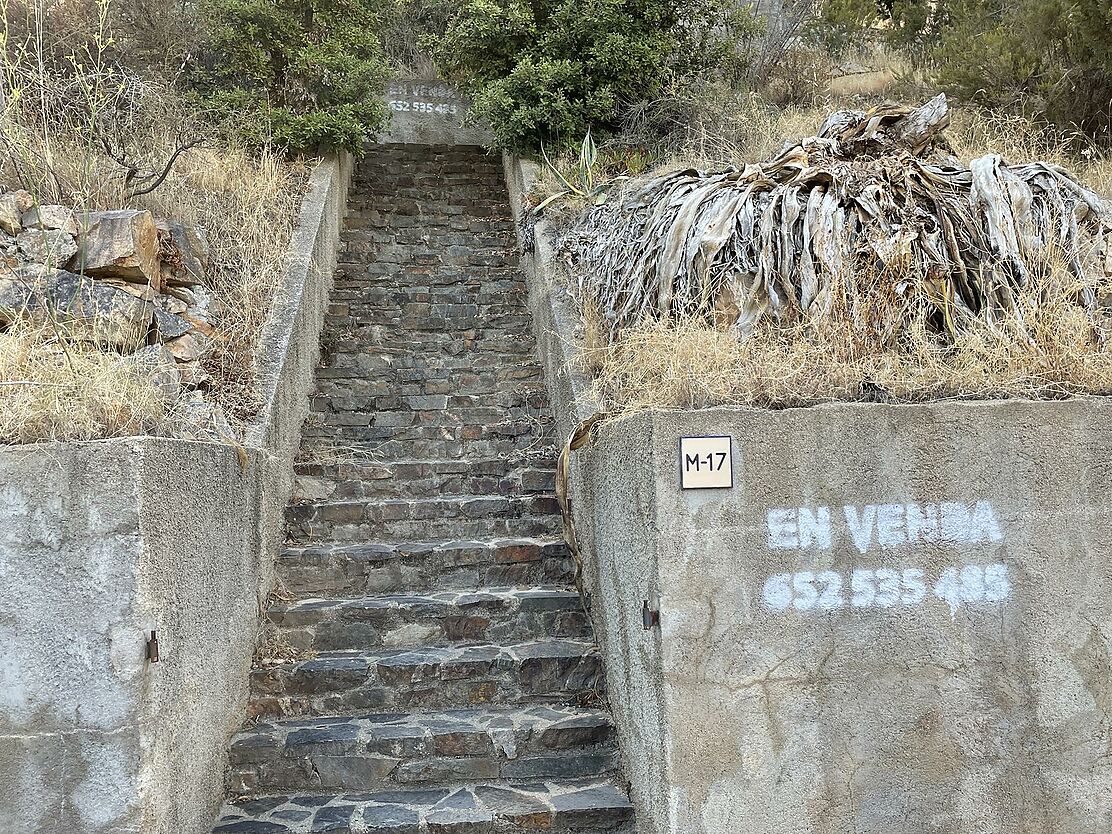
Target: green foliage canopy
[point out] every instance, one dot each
(307, 75)
(1052, 58)
(544, 71)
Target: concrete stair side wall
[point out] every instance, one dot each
(898, 619)
(103, 542)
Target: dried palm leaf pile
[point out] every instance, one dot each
(864, 261)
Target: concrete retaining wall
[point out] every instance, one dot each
(103, 542)
(430, 112)
(897, 621)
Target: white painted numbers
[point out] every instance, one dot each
(428, 99)
(430, 107)
(886, 588)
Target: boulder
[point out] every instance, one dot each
(53, 247)
(88, 310)
(119, 244)
(12, 207)
(157, 363)
(50, 217)
(190, 347)
(185, 253)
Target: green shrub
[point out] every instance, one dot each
(1049, 58)
(544, 71)
(307, 75)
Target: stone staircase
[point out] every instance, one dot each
(428, 665)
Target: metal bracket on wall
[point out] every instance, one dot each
(152, 648)
(650, 617)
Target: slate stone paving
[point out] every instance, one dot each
(439, 672)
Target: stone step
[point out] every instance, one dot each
(383, 426)
(421, 519)
(417, 478)
(373, 568)
(412, 749)
(424, 321)
(556, 806)
(368, 443)
(390, 680)
(460, 408)
(435, 618)
(518, 364)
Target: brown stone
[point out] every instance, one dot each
(12, 207)
(190, 347)
(185, 253)
(119, 244)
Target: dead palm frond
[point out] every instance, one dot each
(874, 193)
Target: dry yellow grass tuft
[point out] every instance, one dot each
(55, 388)
(873, 346)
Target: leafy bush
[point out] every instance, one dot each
(307, 75)
(1050, 58)
(544, 71)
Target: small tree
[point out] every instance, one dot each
(544, 71)
(307, 75)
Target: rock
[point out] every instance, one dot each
(12, 206)
(171, 304)
(193, 375)
(119, 244)
(170, 326)
(201, 303)
(143, 291)
(89, 310)
(190, 347)
(50, 217)
(50, 246)
(156, 362)
(185, 253)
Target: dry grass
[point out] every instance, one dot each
(874, 346)
(709, 126)
(248, 205)
(54, 388)
(59, 115)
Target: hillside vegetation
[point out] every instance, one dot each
(202, 119)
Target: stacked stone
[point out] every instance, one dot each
(122, 281)
(436, 671)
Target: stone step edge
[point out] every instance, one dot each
(561, 647)
(558, 802)
(388, 549)
(451, 598)
(434, 499)
(435, 463)
(520, 718)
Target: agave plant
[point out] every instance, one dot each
(584, 183)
